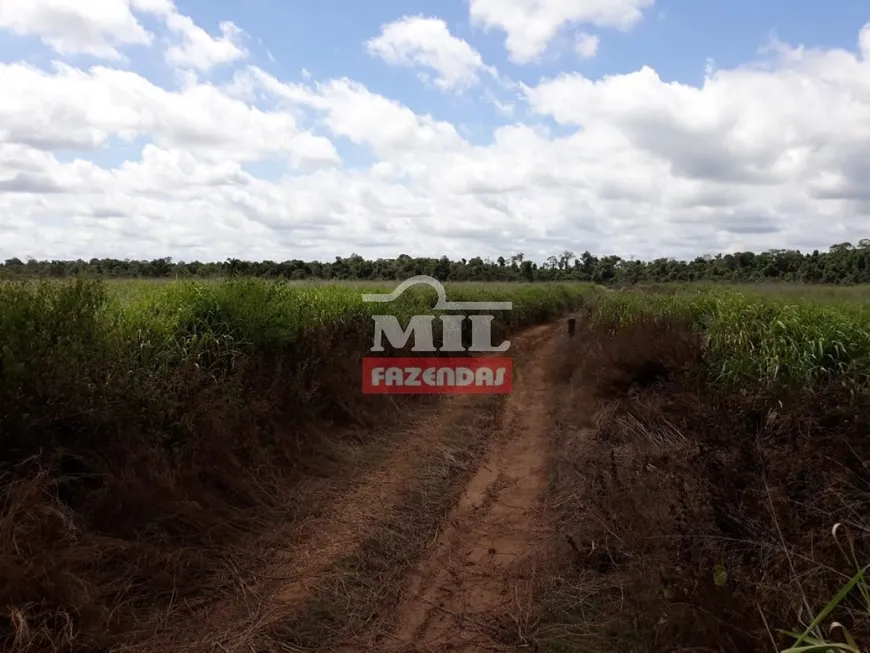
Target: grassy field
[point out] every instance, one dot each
(761, 338)
(98, 351)
(151, 426)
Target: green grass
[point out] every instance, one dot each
(92, 356)
(266, 314)
(815, 637)
(759, 339)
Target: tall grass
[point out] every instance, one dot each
(765, 343)
(155, 428)
(86, 357)
(758, 340)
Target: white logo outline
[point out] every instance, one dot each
(442, 304)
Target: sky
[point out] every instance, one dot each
(283, 129)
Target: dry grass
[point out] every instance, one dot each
(664, 485)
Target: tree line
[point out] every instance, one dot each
(843, 263)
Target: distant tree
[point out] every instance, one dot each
(842, 263)
(527, 270)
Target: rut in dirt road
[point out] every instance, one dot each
(470, 591)
(314, 546)
(347, 523)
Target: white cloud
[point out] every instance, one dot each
(415, 41)
(96, 27)
(391, 130)
(100, 27)
(531, 24)
(586, 45)
(199, 49)
(864, 42)
(770, 154)
(82, 109)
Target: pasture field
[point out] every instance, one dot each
(191, 466)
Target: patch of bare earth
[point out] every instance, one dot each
(471, 590)
(307, 551)
(323, 539)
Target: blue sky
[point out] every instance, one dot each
(676, 38)
(216, 129)
(326, 38)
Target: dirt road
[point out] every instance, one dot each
(470, 590)
(430, 549)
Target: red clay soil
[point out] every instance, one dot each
(493, 525)
(469, 592)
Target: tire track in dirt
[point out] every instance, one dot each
(350, 521)
(469, 593)
(317, 543)
(335, 533)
